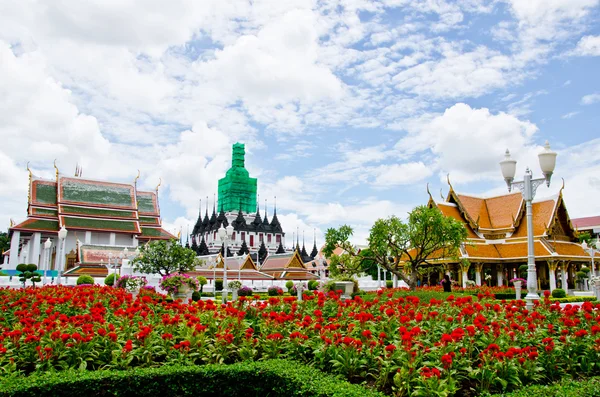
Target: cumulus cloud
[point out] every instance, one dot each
(590, 99)
(588, 46)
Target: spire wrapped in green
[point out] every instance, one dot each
(237, 186)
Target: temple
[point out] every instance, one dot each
(101, 219)
(497, 240)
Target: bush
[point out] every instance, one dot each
(85, 279)
(523, 271)
(389, 284)
(202, 281)
(28, 272)
(585, 269)
(289, 285)
(581, 275)
(110, 280)
(196, 296)
(508, 295)
(207, 294)
(559, 293)
(245, 291)
(566, 388)
(313, 285)
(233, 285)
(275, 291)
(572, 299)
(219, 284)
(272, 377)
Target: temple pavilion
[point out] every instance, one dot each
(238, 206)
(497, 239)
(101, 219)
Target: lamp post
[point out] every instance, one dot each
(62, 236)
(225, 234)
(528, 188)
(591, 251)
(235, 258)
(47, 246)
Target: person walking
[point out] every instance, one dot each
(447, 284)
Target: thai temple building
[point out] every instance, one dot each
(497, 240)
(238, 206)
(104, 223)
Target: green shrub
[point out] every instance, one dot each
(263, 378)
(559, 293)
(360, 292)
(28, 272)
(289, 285)
(523, 271)
(110, 280)
(85, 279)
(571, 299)
(202, 281)
(219, 284)
(207, 294)
(581, 275)
(274, 291)
(196, 296)
(566, 388)
(585, 269)
(508, 295)
(313, 285)
(245, 291)
(389, 284)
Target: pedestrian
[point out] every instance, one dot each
(447, 284)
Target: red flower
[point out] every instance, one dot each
(128, 346)
(447, 360)
(390, 348)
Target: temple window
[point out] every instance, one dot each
(269, 238)
(243, 236)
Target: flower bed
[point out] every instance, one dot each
(396, 342)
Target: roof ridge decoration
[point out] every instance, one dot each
(135, 188)
(56, 168)
(30, 182)
(453, 195)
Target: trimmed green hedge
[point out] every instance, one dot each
(571, 299)
(566, 388)
(508, 296)
(263, 378)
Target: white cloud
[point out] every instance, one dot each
(590, 99)
(570, 115)
(588, 46)
(401, 174)
(460, 139)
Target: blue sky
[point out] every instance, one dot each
(348, 108)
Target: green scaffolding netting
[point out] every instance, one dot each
(237, 189)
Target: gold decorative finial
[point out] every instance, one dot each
(449, 183)
(159, 183)
(56, 168)
(563, 185)
(428, 192)
(442, 194)
(12, 222)
(30, 178)
(136, 178)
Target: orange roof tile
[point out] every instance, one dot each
(452, 211)
(482, 251)
(476, 209)
(503, 209)
(568, 249)
(543, 212)
(519, 250)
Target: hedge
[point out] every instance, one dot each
(574, 299)
(507, 296)
(566, 388)
(263, 378)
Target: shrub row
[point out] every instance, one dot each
(574, 299)
(566, 388)
(264, 378)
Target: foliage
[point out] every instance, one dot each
(559, 293)
(584, 236)
(389, 284)
(523, 271)
(423, 343)
(219, 284)
(164, 257)
(581, 275)
(173, 282)
(245, 291)
(196, 296)
(265, 378)
(507, 295)
(28, 272)
(274, 291)
(565, 388)
(4, 242)
(233, 285)
(202, 281)
(313, 285)
(289, 285)
(404, 249)
(110, 280)
(573, 299)
(585, 269)
(85, 279)
(131, 283)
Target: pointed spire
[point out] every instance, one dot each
(297, 239)
(266, 220)
(303, 253)
(205, 221)
(203, 248)
(194, 245)
(213, 218)
(243, 249)
(280, 249)
(223, 250)
(257, 222)
(275, 225)
(198, 226)
(187, 241)
(315, 251)
(262, 252)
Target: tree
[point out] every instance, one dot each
(4, 242)
(28, 272)
(404, 249)
(164, 257)
(202, 281)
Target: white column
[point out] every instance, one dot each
(478, 268)
(88, 237)
(551, 270)
(36, 243)
(14, 250)
(563, 275)
(112, 238)
(465, 277)
(500, 275)
(395, 278)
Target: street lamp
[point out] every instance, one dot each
(225, 234)
(62, 236)
(591, 251)
(47, 246)
(528, 187)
